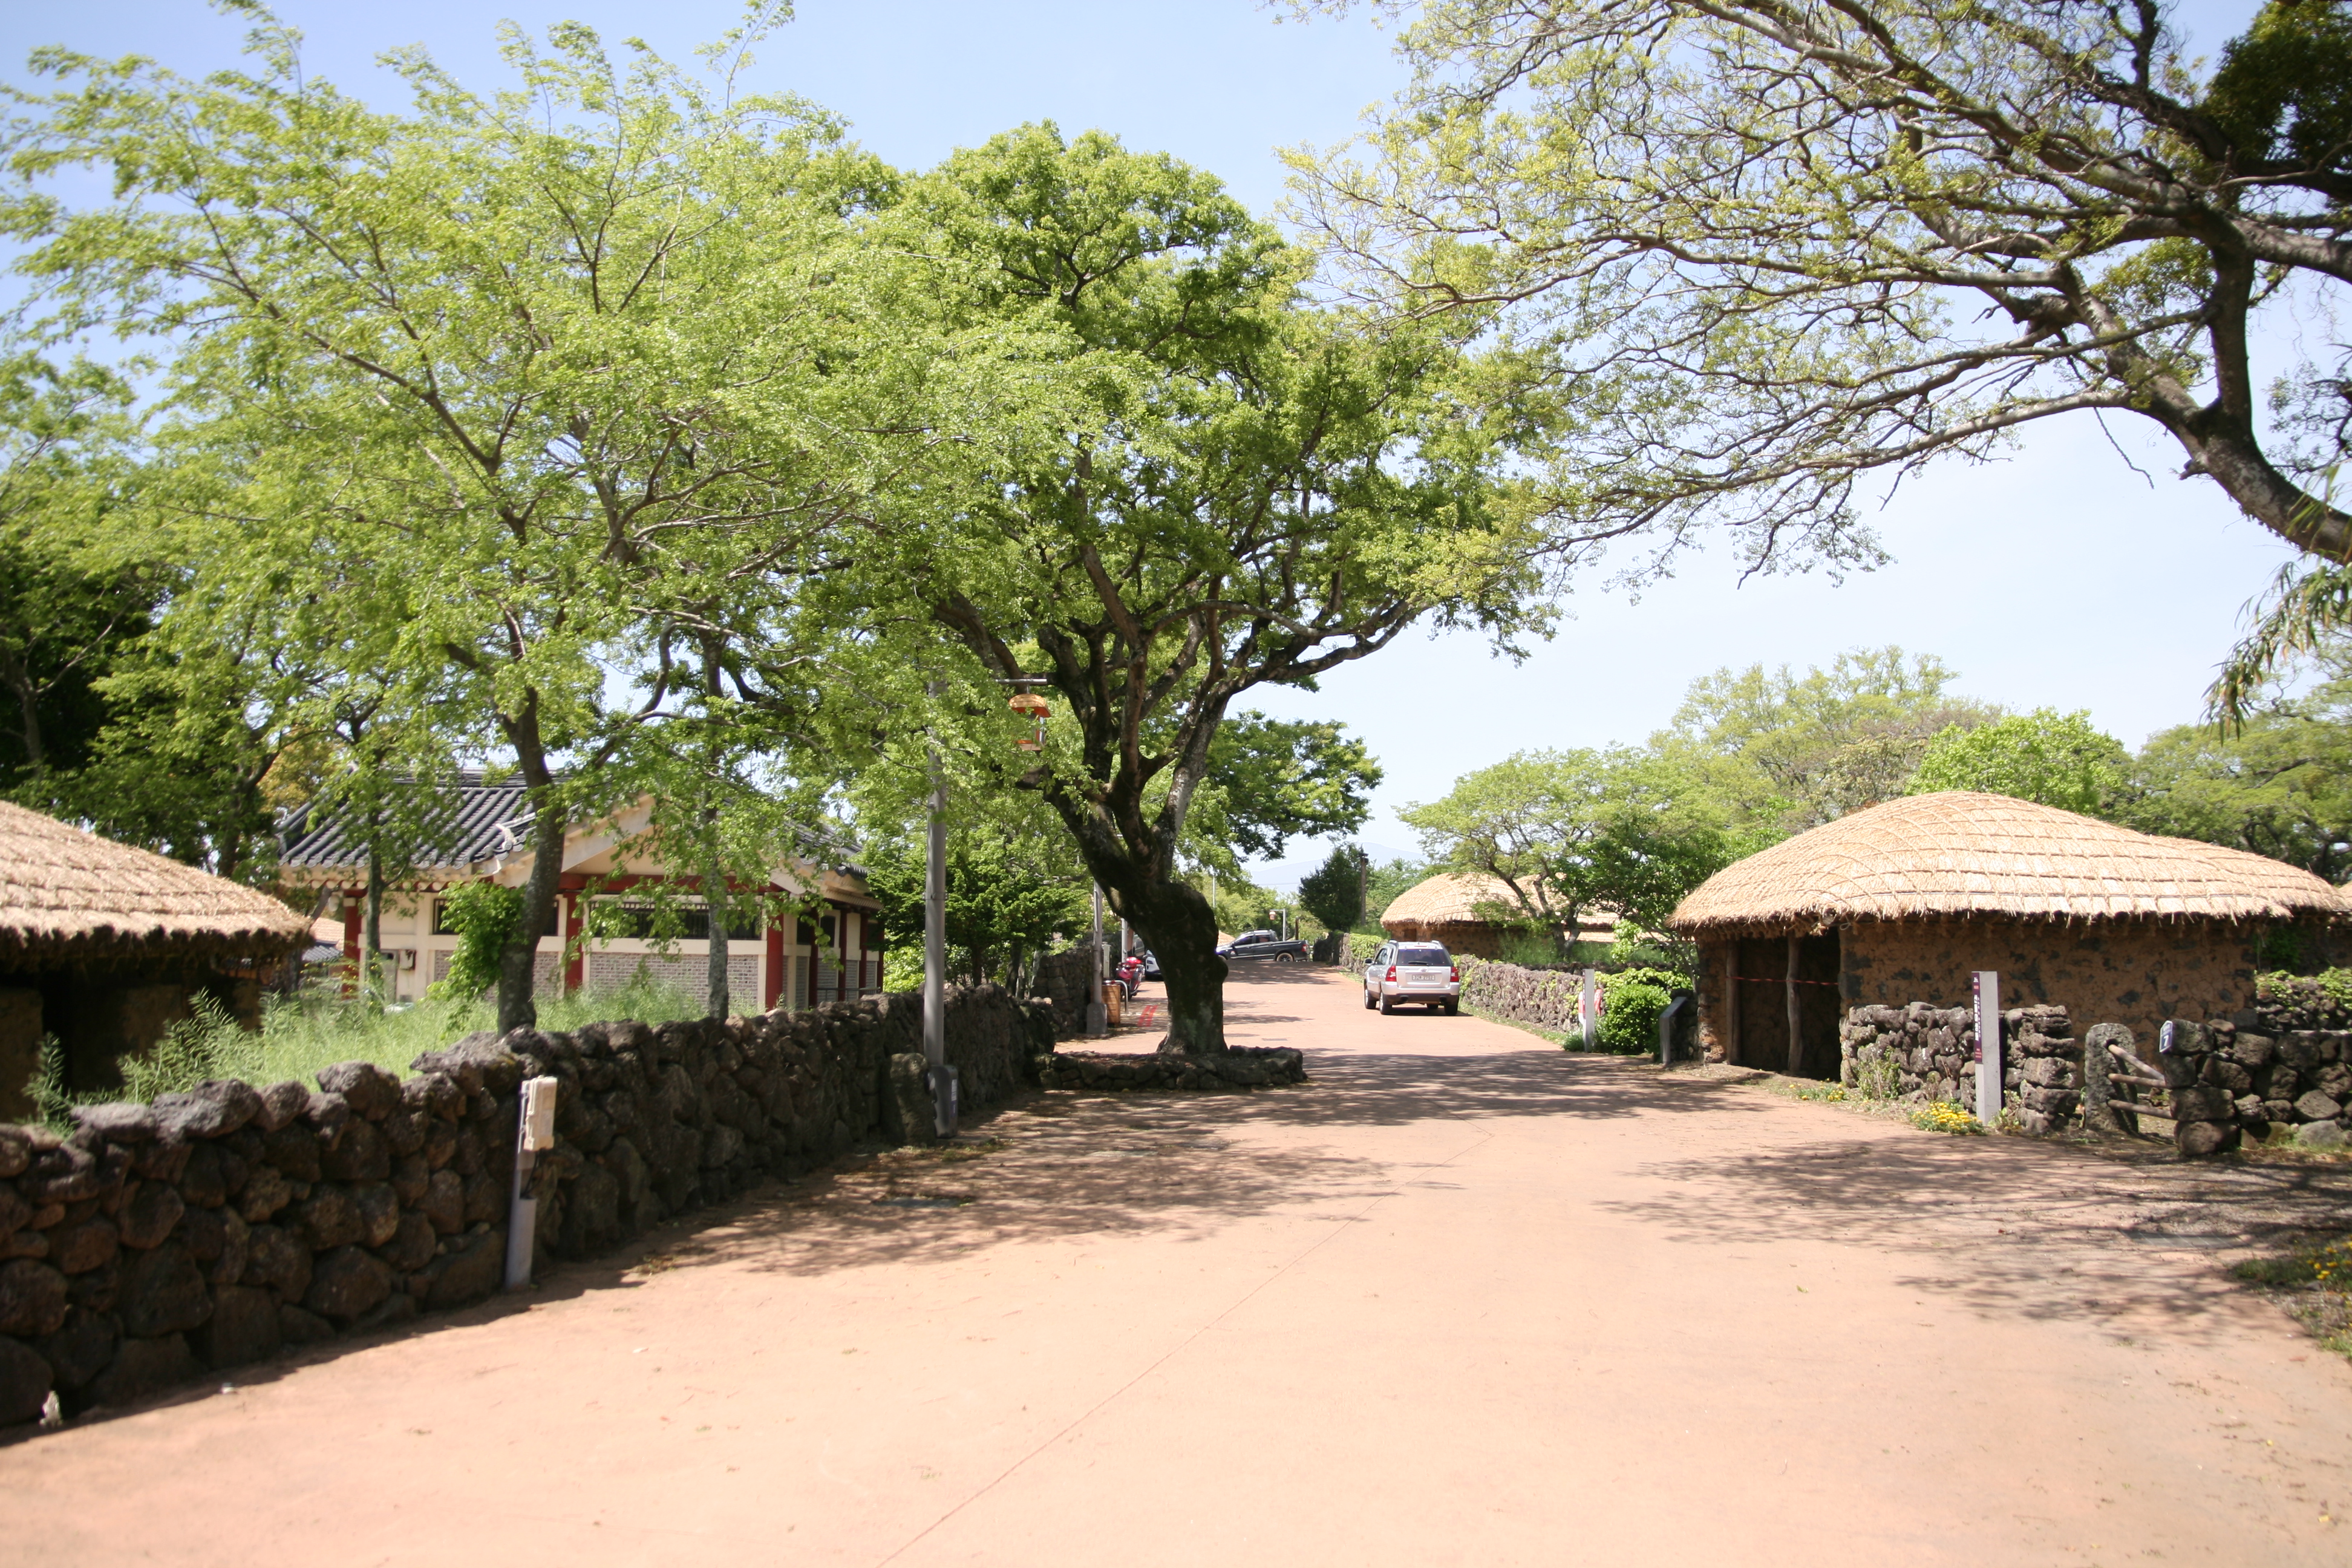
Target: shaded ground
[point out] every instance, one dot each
(1461, 1299)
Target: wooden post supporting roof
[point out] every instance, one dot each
(1796, 1040)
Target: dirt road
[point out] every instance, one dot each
(1464, 1298)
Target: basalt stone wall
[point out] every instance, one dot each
(2225, 1083)
(1066, 982)
(1545, 998)
(2228, 1084)
(1244, 1067)
(211, 1228)
(1932, 1052)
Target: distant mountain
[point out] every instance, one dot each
(1284, 876)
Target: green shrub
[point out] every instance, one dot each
(484, 915)
(1631, 1003)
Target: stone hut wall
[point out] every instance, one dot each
(2134, 972)
(210, 1228)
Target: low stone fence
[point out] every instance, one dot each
(1243, 1067)
(2222, 1083)
(2228, 1084)
(213, 1227)
(1926, 1053)
(1066, 981)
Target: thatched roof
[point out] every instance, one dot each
(1955, 853)
(1452, 898)
(66, 895)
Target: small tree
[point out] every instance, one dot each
(1334, 891)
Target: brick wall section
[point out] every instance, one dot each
(211, 1228)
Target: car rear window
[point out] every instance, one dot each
(1422, 956)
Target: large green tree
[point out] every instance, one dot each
(1758, 251)
(2056, 759)
(1264, 490)
(529, 373)
(1779, 752)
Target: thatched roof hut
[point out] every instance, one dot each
(70, 897)
(1457, 908)
(1899, 902)
(102, 944)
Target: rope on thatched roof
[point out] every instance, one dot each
(1956, 853)
(1453, 898)
(69, 895)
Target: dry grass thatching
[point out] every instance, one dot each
(66, 895)
(1955, 853)
(1452, 897)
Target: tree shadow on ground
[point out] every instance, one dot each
(2007, 1227)
(1069, 1164)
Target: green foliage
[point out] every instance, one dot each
(1568, 832)
(1877, 1075)
(2050, 758)
(1633, 1002)
(1334, 891)
(1778, 752)
(1013, 885)
(2280, 785)
(2283, 90)
(1261, 490)
(1272, 780)
(1241, 904)
(486, 918)
(1384, 884)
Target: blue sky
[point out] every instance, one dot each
(2058, 577)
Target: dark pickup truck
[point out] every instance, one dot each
(1265, 944)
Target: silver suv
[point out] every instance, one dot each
(1419, 971)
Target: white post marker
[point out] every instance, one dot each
(534, 1130)
(1986, 985)
(1588, 1008)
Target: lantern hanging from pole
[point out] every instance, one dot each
(1036, 708)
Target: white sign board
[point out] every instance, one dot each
(1987, 987)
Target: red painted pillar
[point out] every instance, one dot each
(773, 986)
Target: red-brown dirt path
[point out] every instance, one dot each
(1464, 1298)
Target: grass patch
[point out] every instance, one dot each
(302, 1033)
(2314, 1285)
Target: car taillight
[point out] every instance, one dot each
(1391, 972)
(1453, 976)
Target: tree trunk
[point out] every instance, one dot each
(1180, 930)
(714, 899)
(372, 953)
(518, 964)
